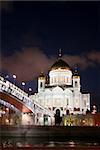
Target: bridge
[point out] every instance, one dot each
(19, 101)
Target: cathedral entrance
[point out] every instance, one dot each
(58, 112)
(58, 119)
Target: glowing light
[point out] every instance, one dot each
(2, 113)
(7, 120)
(14, 76)
(83, 121)
(72, 144)
(7, 109)
(23, 83)
(30, 89)
(94, 106)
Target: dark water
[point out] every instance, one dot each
(47, 142)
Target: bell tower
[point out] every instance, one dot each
(76, 79)
(41, 82)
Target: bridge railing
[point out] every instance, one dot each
(9, 88)
(22, 96)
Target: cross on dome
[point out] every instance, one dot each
(60, 53)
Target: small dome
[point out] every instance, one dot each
(41, 75)
(76, 72)
(60, 64)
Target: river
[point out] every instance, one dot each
(30, 143)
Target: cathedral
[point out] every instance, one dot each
(62, 92)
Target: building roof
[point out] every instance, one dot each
(60, 64)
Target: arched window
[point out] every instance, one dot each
(76, 83)
(67, 102)
(41, 84)
(58, 112)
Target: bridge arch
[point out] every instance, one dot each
(15, 102)
(12, 94)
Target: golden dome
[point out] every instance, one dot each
(60, 64)
(41, 76)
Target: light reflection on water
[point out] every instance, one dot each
(31, 142)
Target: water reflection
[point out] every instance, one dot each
(44, 142)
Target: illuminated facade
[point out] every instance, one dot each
(61, 93)
(25, 110)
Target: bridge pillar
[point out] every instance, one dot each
(35, 119)
(48, 120)
(52, 120)
(27, 119)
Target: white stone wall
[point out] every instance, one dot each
(60, 77)
(57, 97)
(69, 98)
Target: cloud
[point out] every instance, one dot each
(26, 64)
(80, 61)
(94, 56)
(90, 59)
(29, 62)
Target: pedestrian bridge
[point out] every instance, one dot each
(17, 99)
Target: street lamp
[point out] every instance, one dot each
(23, 84)
(30, 90)
(14, 77)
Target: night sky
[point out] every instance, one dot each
(33, 32)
